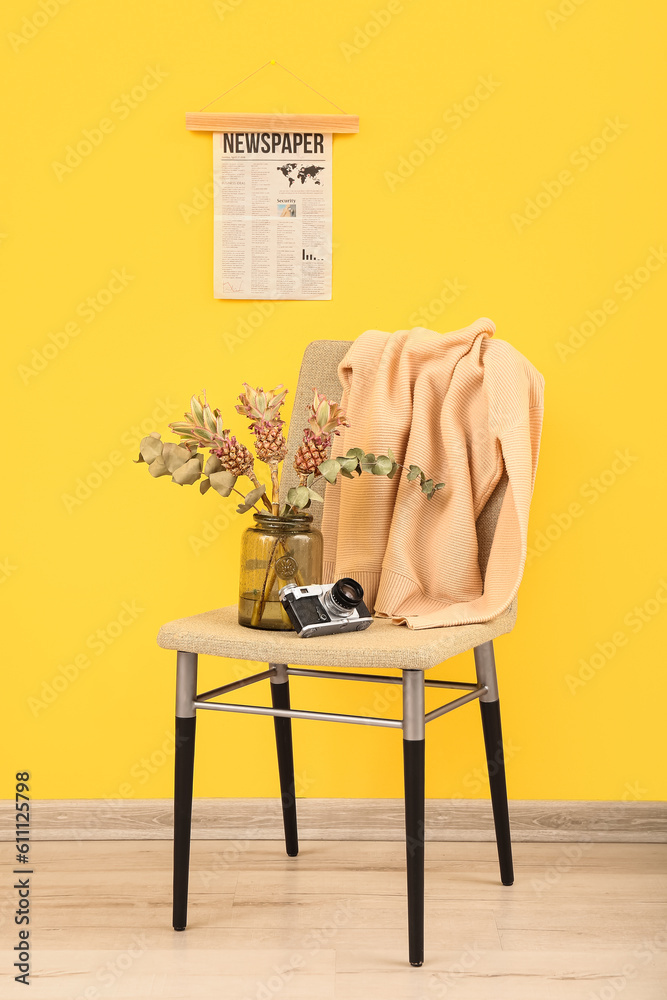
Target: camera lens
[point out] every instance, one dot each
(347, 593)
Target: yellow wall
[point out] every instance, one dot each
(590, 259)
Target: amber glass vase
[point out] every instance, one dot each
(276, 551)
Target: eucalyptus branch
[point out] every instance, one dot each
(358, 461)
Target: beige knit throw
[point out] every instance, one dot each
(464, 408)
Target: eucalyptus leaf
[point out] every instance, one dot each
(369, 458)
(330, 469)
(427, 487)
(254, 495)
(394, 469)
(309, 480)
(301, 497)
(439, 486)
(391, 454)
(150, 448)
(313, 495)
(187, 474)
(348, 463)
(204, 486)
(414, 473)
(213, 465)
(348, 475)
(158, 468)
(222, 482)
(383, 466)
(356, 453)
(174, 456)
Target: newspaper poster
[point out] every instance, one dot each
(272, 215)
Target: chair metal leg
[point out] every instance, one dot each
(414, 744)
(489, 704)
(283, 727)
(186, 684)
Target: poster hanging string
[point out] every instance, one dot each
(271, 62)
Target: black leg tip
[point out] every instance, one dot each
(416, 965)
(179, 928)
(292, 854)
(508, 882)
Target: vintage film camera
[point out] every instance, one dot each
(326, 609)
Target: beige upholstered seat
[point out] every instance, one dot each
(217, 633)
(383, 645)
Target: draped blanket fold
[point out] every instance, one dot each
(465, 408)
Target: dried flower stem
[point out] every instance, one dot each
(275, 488)
(269, 580)
(265, 500)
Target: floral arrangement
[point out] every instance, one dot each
(229, 459)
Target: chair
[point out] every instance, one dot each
(383, 646)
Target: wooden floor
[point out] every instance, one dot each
(582, 921)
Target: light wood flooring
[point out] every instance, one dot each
(582, 921)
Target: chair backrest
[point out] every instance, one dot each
(319, 370)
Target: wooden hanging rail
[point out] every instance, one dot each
(204, 121)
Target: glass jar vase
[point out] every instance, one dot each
(276, 551)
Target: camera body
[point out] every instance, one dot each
(326, 609)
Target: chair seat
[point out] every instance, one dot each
(383, 645)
